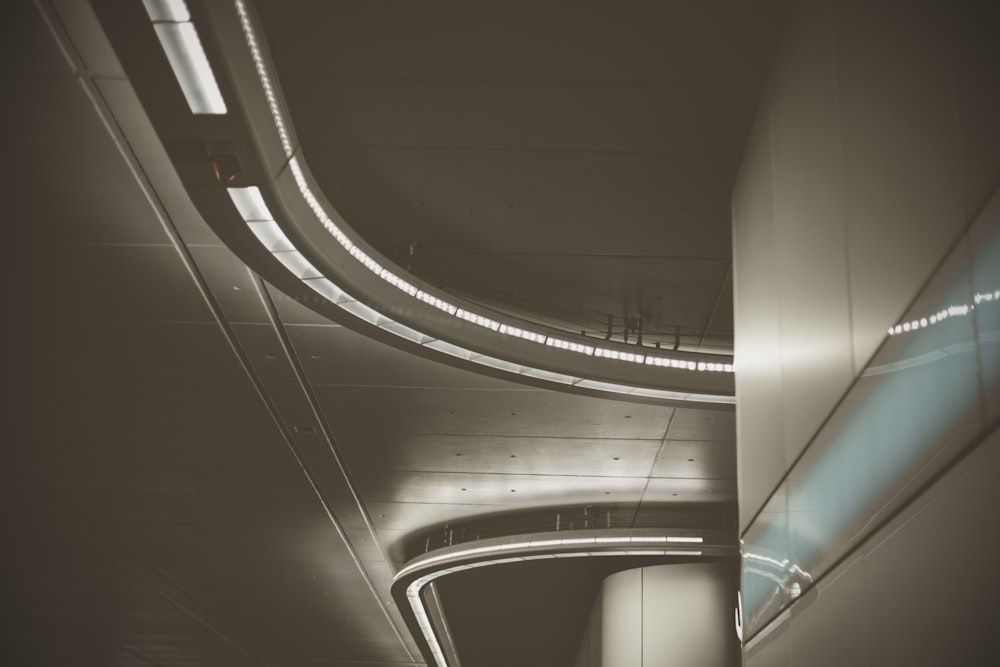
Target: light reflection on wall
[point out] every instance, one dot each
(927, 392)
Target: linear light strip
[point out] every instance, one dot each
(250, 204)
(959, 310)
(414, 589)
(569, 541)
(265, 79)
(186, 55)
(282, 128)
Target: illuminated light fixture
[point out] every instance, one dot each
(619, 355)
(561, 378)
(250, 203)
(570, 345)
(270, 235)
(522, 333)
(477, 319)
(499, 364)
(364, 312)
(305, 271)
(297, 263)
(437, 302)
(328, 289)
(739, 615)
(563, 542)
(167, 10)
(413, 590)
(265, 80)
(398, 282)
(404, 331)
(959, 310)
(449, 348)
(186, 55)
(604, 386)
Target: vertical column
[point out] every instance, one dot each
(662, 615)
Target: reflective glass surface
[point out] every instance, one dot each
(923, 398)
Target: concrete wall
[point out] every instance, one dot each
(662, 615)
(876, 143)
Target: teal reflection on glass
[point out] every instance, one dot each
(986, 299)
(920, 394)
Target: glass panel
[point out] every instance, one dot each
(918, 403)
(986, 297)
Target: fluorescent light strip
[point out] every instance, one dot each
(270, 235)
(250, 203)
(300, 267)
(282, 128)
(167, 10)
(252, 207)
(561, 542)
(415, 587)
(186, 55)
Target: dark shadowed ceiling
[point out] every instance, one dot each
(568, 160)
(200, 471)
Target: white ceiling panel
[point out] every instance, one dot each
(696, 459)
(695, 424)
(367, 416)
(671, 489)
(528, 455)
(517, 490)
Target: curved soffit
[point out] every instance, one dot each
(413, 582)
(276, 218)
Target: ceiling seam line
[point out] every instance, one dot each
(541, 437)
(304, 384)
(715, 306)
(652, 467)
(535, 149)
(529, 474)
(290, 355)
(104, 113)
(124, 147)
(542, 474)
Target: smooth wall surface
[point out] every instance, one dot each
(662, 615)
(875, 145)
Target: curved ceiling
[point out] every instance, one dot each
(309, 248)
(205, 472)
(568, 163)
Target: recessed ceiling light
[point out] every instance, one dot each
(186, 55)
